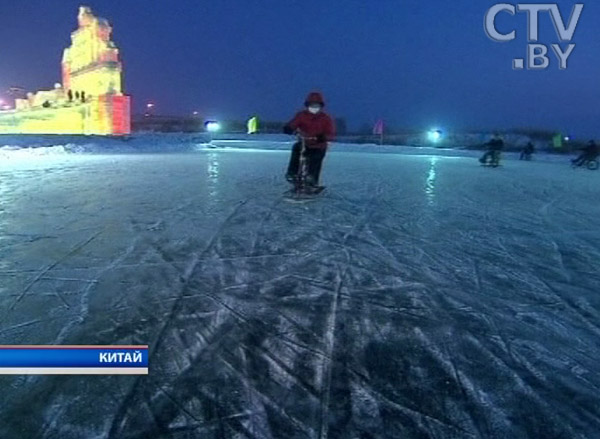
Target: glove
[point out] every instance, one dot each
(321, 138)
(288, 129)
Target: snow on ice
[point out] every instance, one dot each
(422, 296)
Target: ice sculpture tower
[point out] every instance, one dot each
(90, 99)
(91, 68)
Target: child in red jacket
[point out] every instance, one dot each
(317, 128)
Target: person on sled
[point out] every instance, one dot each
(527, 152)
(588, 153)
(492, 155)
(316, 129)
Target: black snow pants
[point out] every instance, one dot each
(314, 161)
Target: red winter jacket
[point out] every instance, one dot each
(311, 125)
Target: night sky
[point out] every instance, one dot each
(414, 63)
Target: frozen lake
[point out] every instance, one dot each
(423, 296)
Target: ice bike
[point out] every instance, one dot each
(303, 188)
(591, 164)
(495, 159)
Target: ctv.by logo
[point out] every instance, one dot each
(537, 54)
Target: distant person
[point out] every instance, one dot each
(252, 125)
(527, 151)
(588, 153)
(77, 95)
(317, 129)
(82, 96)
(70, 95)
(492, 155)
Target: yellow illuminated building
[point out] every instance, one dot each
(90, 99)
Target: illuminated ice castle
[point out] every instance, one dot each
(89, 100)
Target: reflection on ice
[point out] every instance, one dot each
(213, 166)
(5, 201)
(430, 183)
(213, 175)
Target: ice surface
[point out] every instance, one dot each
(423, 296)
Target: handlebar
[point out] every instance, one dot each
(300, 136)
(306, 138)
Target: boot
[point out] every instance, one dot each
(311, 182)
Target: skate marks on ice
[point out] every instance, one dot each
(383, 351)
(380, 311)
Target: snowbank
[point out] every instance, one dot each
(20, 147)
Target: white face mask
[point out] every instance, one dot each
(314, 109)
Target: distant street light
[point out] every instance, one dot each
(212, 126)
(435, 135)
(149, 109)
